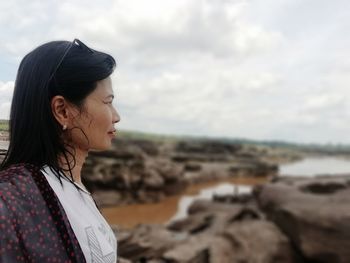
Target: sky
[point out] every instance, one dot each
(255, 69)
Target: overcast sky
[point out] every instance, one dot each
(257, 69)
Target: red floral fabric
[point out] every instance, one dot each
(33, 224)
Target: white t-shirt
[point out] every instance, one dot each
(94, 234)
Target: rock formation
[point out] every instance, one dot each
(313, 213)
(286, 220)
(138, 171)
(133, 171)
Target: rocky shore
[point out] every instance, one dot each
(144, 171)
(285, 220)
(141, 171)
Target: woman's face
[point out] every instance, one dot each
(96, 120)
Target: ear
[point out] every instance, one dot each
(60, 110)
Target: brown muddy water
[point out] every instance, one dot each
(128, 216)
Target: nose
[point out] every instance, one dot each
(116, 116)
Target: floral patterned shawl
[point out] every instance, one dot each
(33, 224)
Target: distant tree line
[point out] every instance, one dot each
(311, 147)
(4, 125)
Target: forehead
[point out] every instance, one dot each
(104, 88)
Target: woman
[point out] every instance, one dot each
(61, 108)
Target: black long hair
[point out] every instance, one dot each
(69, 69)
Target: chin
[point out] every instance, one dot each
(102, 147)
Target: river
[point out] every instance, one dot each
(175, 207)
(316, 166)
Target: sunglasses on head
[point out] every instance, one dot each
(76, 42)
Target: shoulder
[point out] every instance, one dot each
(17, 170)
(17, 173)
(16, 186)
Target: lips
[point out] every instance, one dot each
(113, 132)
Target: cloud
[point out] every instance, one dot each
(324, 102)
(243, 68)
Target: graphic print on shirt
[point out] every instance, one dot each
(95, 248)
(111, 240)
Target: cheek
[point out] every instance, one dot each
(102, 120)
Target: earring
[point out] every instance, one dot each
(64, 127)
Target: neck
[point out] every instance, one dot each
(80, 156)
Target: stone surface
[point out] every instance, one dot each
(288, 220)
(259, 241)
(144, 171)
(134, 170)
(147, 242)
(313, 213)
(213, 232)
(123, 260)
(199, 249)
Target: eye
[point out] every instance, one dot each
(108, 102)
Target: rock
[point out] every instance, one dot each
(207, 147)
(313, 213)
(201, 249)
(148, 242)
(107, 197)
(171, 172)
(134, 170)
(123, 260)
(123, 235)
(210, 206)
(149, 196)
(208, 216)
(259, 241)
(153, 180)
(2, 155)
(192, 166)
(147, 146)
(233, 198)
(204, 151)
(210, 160)
(193, 224)
(253, 167)
(141, 171)
(235, 241)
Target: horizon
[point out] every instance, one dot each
(229, 139)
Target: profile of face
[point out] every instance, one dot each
(91, 128)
